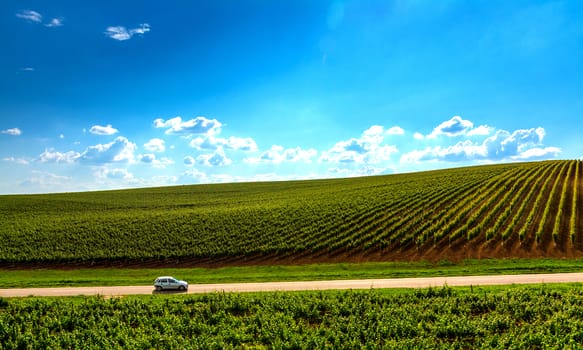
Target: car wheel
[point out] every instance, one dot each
(181, 288)
(158, 288)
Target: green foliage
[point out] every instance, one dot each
(380, 213)
(525, 318)
(575, 198)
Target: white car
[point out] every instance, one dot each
(169, 282)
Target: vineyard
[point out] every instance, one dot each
(506, 210)
(517, 318)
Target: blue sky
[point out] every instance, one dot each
(105, 95)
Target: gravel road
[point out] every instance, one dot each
(422, 282)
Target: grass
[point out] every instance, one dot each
(128, 276)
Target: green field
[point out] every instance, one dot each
(528, 317)
(508, 210)
(525, 215)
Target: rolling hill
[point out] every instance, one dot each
(505, 210)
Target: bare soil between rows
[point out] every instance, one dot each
(434, 253)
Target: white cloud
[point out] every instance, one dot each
(118, 151)
(360, 171)
(121, 33)
(49, 156)
(453, 127)
(240, 144)
(21, 161)
(215, 159)
(196, 126)
(103, 130)
(538, 153)
(142, 29)
(161, 180)
(396, 130)
(155, 145)
(150, 158)
(201, 177)
(118, 33)
(203, 143)
(27, 69)
(523, 144)
(482, 130)
(31, 16)
(368, 149)
(196, 174)
(456, 126)
(233, 143)
(55, 22)
(121, 150)
(115, 174)
(35, 17)
(277, 155)
(47, 182)
(12, 132)
(188, 160)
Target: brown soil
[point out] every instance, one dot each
(457, 251)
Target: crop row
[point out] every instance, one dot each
(495, 203)
(431, 318)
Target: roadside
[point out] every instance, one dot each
(118, 276)
(421, 282)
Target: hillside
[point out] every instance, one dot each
(508, 210)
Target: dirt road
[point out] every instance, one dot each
(423, 282)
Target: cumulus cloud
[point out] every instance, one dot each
(456, 126)
(482, 130)
(453, 127)
(198, 175)
(188, 160)
(155, 145)
(538, 153)
(51, 156)
(232, 143)
(12, 132)
(118, 151)
(215, 159)
(360, 171)
(103, 130)
(523, 144)
(115, 174)
(30, 16)
(150, 158)
(121, 33)
(196, 126)
(396, 130)
(367, 149)
(121, 150)
(278, 154)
